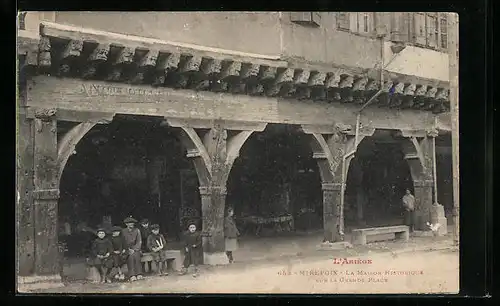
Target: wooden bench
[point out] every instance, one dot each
(174, 260)
(399, 231)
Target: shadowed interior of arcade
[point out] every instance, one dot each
(274, 185)
(376, 181)
(130, 167)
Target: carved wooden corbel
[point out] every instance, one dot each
(98, 56)
(409, 95)
(166, 63)
(146, 63)
(125, 57)
(345, 87)
(45, 114)
(44, 57)
(358, 90)
(284, 77)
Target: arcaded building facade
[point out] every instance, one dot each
(177, 116)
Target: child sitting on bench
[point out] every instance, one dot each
(101, 255)
(119, 255)
(156, 244)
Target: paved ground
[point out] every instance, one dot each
(422, 265)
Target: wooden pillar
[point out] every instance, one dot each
(418, 151)
(213, 195)
(423, 202)
(333, 148)
(332, 212)
(46, 193)
(213, 155)
(213, 202)
(24, 191)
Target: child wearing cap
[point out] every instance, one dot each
(119, 255)
(132, 244)
(101, 252)
(193, 249)
(145, 231)
(156, 244)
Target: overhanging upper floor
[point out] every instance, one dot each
(89, 70)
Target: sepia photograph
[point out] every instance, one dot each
(237, 152)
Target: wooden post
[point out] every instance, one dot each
(24, 190)
(453, 62)
(46, 193)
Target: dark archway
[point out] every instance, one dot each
(275, 175)
(131, 166)
(377, 178)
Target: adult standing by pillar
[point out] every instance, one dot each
(231, 234)
(409, 209)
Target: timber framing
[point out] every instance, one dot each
(98, 55)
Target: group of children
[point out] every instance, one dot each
(126, 245)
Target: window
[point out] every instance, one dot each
(430, 29)
(343, 21)
(355, 22)
(419, 28)
(21, 20)
(363, 22)
(306, 18)
(444, 32)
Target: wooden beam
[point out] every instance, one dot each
(412, 133)
(76, 115)
(227, 124)
(78, 95)
(319, 129)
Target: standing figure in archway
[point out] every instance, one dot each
(409, 206)
(231, 234)
(193, 254)
(133, 243)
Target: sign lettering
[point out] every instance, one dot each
(109, 90)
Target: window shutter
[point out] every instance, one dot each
(21, 20)
(353, 20)
(363, 23)
(419, 35)
(300, 17)
(404, 32)
(316, 18)
(431, 26)
(443, 30)
(306, 18)
(343, 21)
